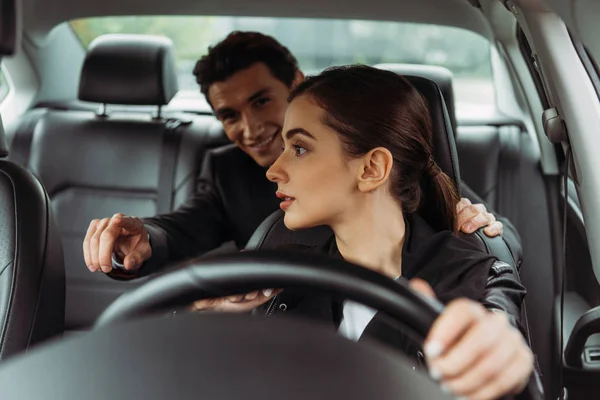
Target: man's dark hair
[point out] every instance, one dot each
(238, 51)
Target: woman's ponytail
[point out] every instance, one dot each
(439, 197)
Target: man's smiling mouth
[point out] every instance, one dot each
(264, 143)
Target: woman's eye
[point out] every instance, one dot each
(299, 150)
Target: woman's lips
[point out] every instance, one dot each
(286, 200)
(284, 205)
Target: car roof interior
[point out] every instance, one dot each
(39, 18)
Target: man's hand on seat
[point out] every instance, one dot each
(474, 216)
(125, 236)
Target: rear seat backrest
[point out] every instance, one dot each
(94, 166)
(502, 165)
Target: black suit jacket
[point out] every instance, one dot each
(233, 197)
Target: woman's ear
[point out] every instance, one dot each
(374, 169)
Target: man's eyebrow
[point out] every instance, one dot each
(298, 131)
(255, 96)
(258, 94)
(222, 111)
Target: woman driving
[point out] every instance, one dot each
(358, 157)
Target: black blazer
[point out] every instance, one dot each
(453, 267)
(233, 197)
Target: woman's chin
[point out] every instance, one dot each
(295, 222)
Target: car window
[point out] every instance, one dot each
(320, 43)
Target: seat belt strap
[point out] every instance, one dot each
(508, 172)
(168, 164)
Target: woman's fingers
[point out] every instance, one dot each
(448, 328)
(474, 344)
(474, 352)
(488, 367)
(488, 371)
(512, 380)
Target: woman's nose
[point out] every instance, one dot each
(275, 172)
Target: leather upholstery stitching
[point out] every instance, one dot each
(11, 297)
(44, 265)
(4, 267)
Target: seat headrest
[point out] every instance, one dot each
(3, 143)
(444, 144)
(129, 69)
(440, 75)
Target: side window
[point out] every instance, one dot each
(588, 62)
(4, 86)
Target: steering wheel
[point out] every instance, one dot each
(242, 272)
(232, 356)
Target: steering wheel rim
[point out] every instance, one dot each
(242, 272)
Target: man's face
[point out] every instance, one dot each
(251, 105)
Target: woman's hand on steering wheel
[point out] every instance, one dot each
(236, 303)
(475, 353)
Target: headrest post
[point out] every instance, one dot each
(158, 112)
(102, 111)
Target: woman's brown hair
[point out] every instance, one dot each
(370, 108)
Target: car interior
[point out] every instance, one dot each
(101, 115)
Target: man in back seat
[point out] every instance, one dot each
(246, 79)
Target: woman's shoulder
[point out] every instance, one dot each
(452, 266)
(422, 238)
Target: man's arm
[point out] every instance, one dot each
(196, 227)
(509, 235)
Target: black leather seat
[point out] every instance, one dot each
(95, 164)
(32, 276)
(502, 164)
(440, 75)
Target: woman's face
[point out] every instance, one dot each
(316, 179)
